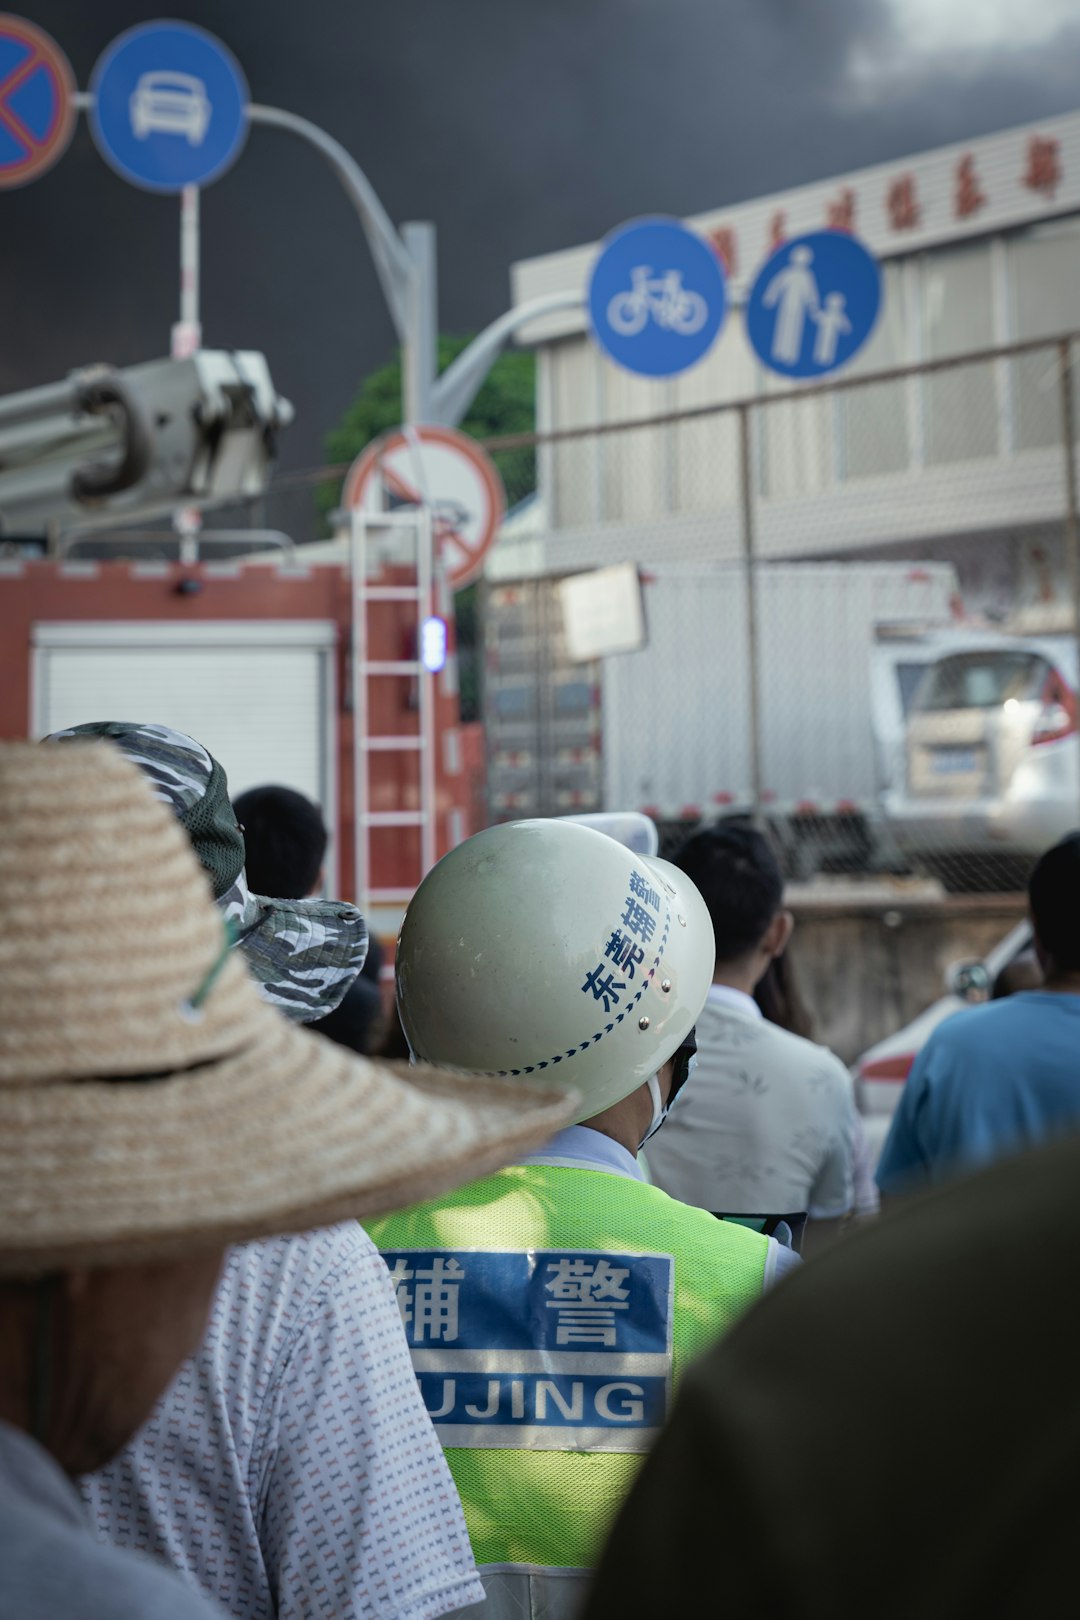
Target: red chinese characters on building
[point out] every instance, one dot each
(724, 244)
(1043, 171)
(902, 204)
(777, 230)
(840, 211)
(968, 196)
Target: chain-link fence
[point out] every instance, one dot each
(860, 618)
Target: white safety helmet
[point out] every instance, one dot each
(543, 946)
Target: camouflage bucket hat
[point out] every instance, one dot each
(304, 954)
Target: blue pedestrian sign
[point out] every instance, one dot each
(657, 297)
(814, 304)
(169, 106)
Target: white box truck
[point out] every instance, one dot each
(840, 649)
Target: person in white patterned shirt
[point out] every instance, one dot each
(292, 1469)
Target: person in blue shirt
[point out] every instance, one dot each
(994, 1080)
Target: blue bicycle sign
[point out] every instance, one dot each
(662, 299)
(657, 297)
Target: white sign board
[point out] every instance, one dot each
(603, 612)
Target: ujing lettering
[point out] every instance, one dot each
(532, 1399)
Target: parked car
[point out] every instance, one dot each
(990, 774)
(880, 1072)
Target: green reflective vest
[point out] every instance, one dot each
(549, 1310)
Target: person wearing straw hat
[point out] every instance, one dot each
(550, 1306)
(154, 1110)
(299, 1410)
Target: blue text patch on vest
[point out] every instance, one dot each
(550, 1349)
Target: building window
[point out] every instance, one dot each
(1044, 290)
(874, 427)
(957, 319)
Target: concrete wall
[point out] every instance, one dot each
(866, 968)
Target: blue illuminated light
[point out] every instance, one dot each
(433, 644)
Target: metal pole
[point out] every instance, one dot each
(1072, 505)
(359, 693)
(425, 579)
(420, 349)
(392, 262)
(186, 341)
(750, 559)
(187, 333)
(459, 384)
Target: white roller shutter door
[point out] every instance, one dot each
(260, 696)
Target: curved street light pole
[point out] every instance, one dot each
(405, 263)
(456, 389)
(407, 270)
(392, 261)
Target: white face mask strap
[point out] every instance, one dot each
(659, 1111)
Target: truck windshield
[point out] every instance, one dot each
(982, 680)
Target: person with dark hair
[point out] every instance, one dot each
(778, 995)
(285, 841)
(997, 1078)
(1022, 973)
(765, 1134)
(781, 1002)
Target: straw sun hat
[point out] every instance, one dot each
(150, 1102)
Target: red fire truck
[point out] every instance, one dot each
(337, 677)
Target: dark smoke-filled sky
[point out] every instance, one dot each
(518, 126)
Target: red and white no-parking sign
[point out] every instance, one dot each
(37, 111)
(441, 469)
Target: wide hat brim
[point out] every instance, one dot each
(291, 1133)
(151, 1103)
(303, 954)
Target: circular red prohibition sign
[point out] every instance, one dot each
(456, 477)
(37, 114)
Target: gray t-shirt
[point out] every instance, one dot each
(765, 1125)
(50, 1564)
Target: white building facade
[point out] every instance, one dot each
(980, 250)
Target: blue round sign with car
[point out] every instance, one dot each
(813, 304)
(657, 297)
(169, 106)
